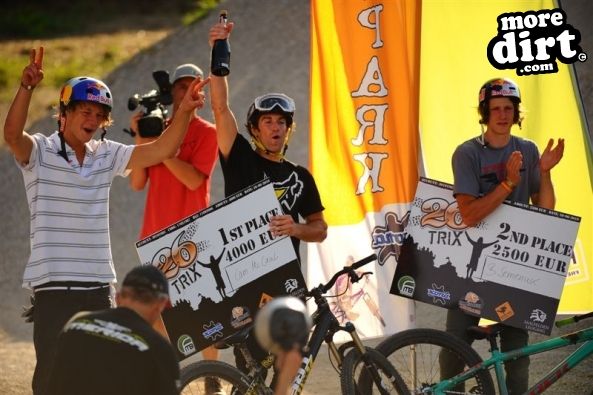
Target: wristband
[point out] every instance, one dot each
(506, 186)
(27, 87)
(510, 183)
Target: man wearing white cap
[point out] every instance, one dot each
(180, 186)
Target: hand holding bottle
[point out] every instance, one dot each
(220, 59)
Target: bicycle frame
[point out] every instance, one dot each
(323, 322)
(498, 358)
(325, 326)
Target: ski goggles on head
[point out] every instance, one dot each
(268, 101)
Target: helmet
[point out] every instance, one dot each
(282, 323)
(499, 87)
(85, 89)
(277, 103)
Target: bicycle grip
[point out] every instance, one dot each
(564, 322)
(364, 261)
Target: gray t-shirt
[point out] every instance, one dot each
(478, 169)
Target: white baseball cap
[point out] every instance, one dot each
(187, 70)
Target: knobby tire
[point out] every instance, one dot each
(427, 346)
(356, 378)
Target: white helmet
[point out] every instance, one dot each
(282, 324)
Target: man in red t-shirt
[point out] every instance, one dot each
(178, 187)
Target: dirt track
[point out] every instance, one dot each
(253, 44)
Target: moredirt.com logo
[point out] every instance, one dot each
(532, 41)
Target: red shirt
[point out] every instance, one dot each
(168, 200)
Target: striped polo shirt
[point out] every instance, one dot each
(69, 208)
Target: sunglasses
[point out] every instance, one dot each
(268, 101)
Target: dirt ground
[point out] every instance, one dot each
(17, 361)
(260, 36)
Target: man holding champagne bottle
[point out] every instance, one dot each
(269, 126)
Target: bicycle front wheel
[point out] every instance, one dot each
(212, 377)
(370, 373)
(417, 355)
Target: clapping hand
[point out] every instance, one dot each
(551, 156)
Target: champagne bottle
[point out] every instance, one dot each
(220, 60)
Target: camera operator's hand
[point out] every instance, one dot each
(134, 128)
(194, 97)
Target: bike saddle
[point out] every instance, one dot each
(484, 332)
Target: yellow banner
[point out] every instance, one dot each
(451, 76)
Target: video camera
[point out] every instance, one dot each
(152, 122)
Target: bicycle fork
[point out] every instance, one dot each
(370, 368)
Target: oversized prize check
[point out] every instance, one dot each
(509, 268)
(222, 265)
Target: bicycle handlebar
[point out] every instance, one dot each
(572, 320)
(323, 288)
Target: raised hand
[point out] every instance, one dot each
(220, 31)
(33, 72)
(195, 96)
(551, 156)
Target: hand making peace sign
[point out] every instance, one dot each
(33, 72)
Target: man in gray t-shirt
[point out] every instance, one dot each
(488, 170)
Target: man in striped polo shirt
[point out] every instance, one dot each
(67, 178)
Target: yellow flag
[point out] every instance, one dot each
(451, 76)
(364, 146)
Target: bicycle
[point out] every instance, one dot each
(405, 349)
(352, 358)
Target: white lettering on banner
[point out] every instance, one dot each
(378, 137)
(521, 276)
(370, 172)
(365, 20)
(371, 85)
(372, 77)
